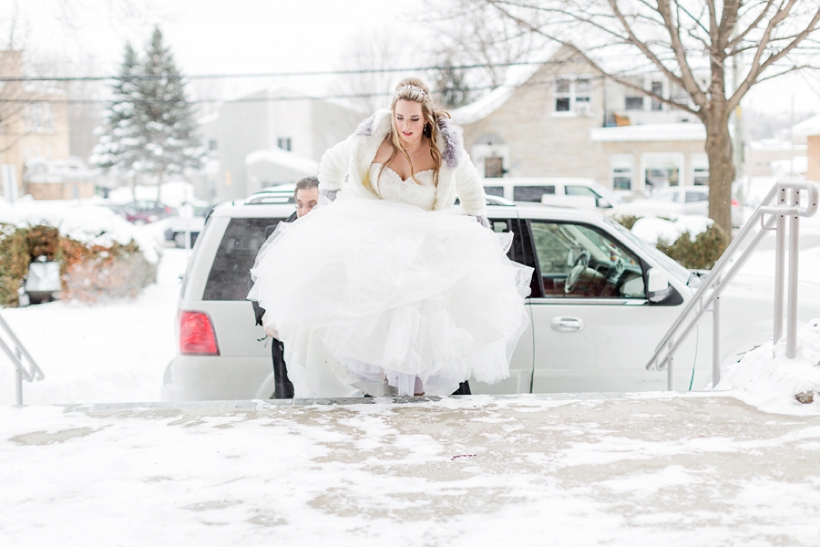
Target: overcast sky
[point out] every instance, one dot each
(263, 36)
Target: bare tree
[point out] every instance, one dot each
(374, 51)
(474, 32)
(682, 39)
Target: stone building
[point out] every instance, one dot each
(33, 124)
(562, 118)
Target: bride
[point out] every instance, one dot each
(392, 289)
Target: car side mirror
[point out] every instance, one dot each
(603, 203)
(657, 284)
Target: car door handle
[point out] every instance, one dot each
(566, 324)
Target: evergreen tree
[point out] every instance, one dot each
(166, 118)
(450, 83)
(120, 145)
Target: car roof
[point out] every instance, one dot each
(496, 208)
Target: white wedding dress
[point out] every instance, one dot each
(389, 297)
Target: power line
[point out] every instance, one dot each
(270, 74)
(295, 97)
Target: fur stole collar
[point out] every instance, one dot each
(450, 140)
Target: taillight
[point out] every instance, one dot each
(196, 334)
(735, 203)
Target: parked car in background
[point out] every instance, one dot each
(552, 191)
(179, 226)
(601, 299)
(674, 202)
(145, 212)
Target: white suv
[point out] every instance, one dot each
(594, 323)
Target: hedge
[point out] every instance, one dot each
(87, 272)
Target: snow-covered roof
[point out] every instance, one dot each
(285, 159)
(775, 145)
(486, 105)
(807, 127)
(209, 118)
(650, 132)
(42, 170)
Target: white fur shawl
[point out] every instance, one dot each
(352, 158)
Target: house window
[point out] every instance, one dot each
(39, 117)
(633, 98)
(622, 171)
(573, 95)
(212, 144)
(657, 89)
(563, 95)
(283, 143)
(700, 170)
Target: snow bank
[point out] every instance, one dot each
(653, 229)
(83, 220)
(769, 380)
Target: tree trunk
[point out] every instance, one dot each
(721, 170)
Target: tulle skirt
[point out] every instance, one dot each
(386, 298)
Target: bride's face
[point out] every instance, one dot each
(409, 122)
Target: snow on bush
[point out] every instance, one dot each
(767, 379)
(653, 230)
(83, 221)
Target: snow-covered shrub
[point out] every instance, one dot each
(699, 253)
(694, 241)
(87, 270)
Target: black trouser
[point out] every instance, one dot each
(283, 387)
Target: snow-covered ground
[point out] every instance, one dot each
(622, 471)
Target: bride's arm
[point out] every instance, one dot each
(334, 166)
(469, 188)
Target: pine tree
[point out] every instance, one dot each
(166, 123)
(450, 83)
(120, 145)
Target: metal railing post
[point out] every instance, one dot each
(715, 337)
(794, 252)
(779, 269)
(18, 378)
(707, 296)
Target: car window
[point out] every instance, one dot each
(693, 197)
(667, 197)
(667, 263)
(494, 191)
(531, 193)
(230, 277)
(579, 261)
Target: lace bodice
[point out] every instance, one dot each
(390, 186)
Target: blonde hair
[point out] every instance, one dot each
(413, 89)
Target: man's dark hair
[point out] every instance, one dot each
(306, 183)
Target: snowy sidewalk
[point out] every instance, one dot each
(659, 469)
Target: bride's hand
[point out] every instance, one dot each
(484, 221)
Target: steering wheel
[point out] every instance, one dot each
(578, 268)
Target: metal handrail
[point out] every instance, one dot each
(787, 198)
(16, 357)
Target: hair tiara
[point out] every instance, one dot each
(412, 88)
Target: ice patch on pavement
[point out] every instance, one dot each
(767, 379)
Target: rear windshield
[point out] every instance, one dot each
(230, 276)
